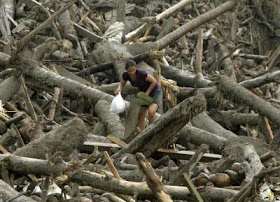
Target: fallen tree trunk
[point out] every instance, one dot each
(63, 139)
(226, 63)
(193, 24)
(209, 92)
(140, 189)
(152, 179)
(22, 42)
(184, 29)
(25, 165)
(69, 85)
(261, 80)
(7, 193)
(165, 127)
(182, 78)
(9, 87)
(69, 32)
(216, 194)
(111, 120)
(254, 165)
(160, 16)
(203, 121)
(239, 94)
(232, 119)
(190, 134)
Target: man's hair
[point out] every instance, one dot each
(130, 63)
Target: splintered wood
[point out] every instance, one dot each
(216, 133)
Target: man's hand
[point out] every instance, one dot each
(117, 91)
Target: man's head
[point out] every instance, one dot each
(130, 67)
(130, 63)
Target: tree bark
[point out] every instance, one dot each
(202, 19)
(165, 127)
(216, 194)
(140, 189)
(25, 165)
(160, 16)
(8, 193)
(22, 42)
(232, 119)
(111, 120)
(152, 179)
(190, 134)
(203, 121)
(62, 140)
(254, 162)
(131, 120)
(9, 87)
(69, 32)
(239, 94)
(226, 63)
(69, 85)
(182, 79)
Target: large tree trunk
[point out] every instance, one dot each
(162, 130)
(266, 26)
(184, 29)
(241, 95)
(69, 32)
(9, 87)
(203, 121)
(69, 85)
(140, 189)
(232, 120)
(22, 42)
(202, 19)
(110, 120)
(7, 193)
(62, 140)
(24, 165)
(9, 8)
(190, 134)
(182, 78)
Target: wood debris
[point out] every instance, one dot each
(216, 136)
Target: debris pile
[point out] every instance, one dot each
(216, 136)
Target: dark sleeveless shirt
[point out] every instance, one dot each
(140, 81)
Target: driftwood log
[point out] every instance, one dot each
(63, 140)
(111, 121)
(165, 127)
(7, 193)
(60, 61)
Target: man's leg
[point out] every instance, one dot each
(152, 112)
(141, 118)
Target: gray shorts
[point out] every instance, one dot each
(157, 96)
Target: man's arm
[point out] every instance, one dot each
(153, 83)
(120, 86)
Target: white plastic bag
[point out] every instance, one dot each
(118, 104)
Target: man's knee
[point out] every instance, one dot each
(151, 113)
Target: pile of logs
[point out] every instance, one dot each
(216, 135)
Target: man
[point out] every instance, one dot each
(149, 88)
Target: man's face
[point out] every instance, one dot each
(131, 71)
